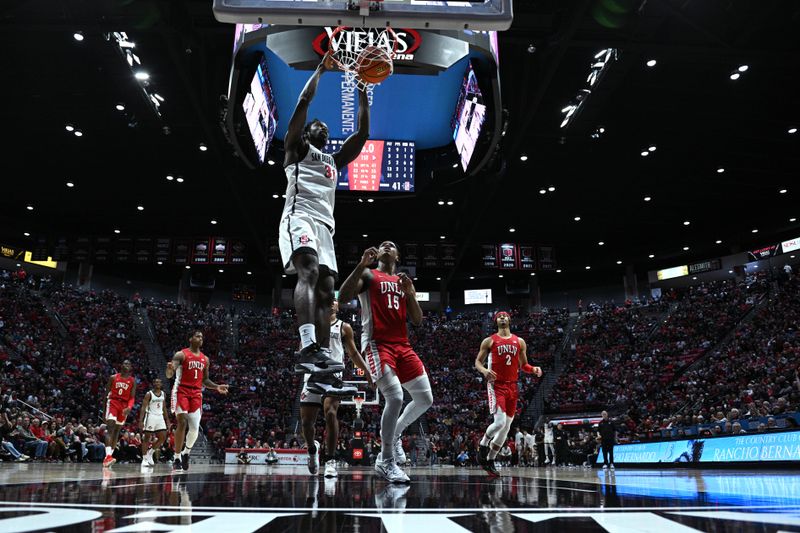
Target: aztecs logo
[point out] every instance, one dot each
(355, 40)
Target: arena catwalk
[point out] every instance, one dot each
(221, 498)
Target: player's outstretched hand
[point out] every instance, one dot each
(327, 61)
(222, 389)
(369, 256)
(405, 282)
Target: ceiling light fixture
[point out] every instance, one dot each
(249, 273)
(117, 231)
(743, 68)
(718, 241)
(647, 198)
(472, 277)
(651, 256)
(179, 179)
(523, 157)
(70, 184)
(142, 75)
(577, 219)
(755, 230)
(455, 165)
(78, 133)
(792, 130)
(511, 230)
(29, 207)
(440, 202)
(140, 207)
(783, 191)
(735, 76)
(78, 36)
(160, 262)
(686, 222)
(449, 202)
(619, 262)
(588, 267)
(275, 196)
(542, 191)
(645, 153)
(651, 148)
(720, 170)
(601, 243)
(500, 276)
(221, 270)
(558, 271)
(793, 219)
(203, 147)
(270, 162)
(651, 63)
(442, 237)
(370, 200)
(169, 177)
(27, 234)
(69, 127)
(364, 235)
(214, 222)
(120, 107)
(551, 188)
(685, 248)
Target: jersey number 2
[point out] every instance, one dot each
(508, 359)
(393, 301)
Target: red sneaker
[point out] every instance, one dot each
(108, 461)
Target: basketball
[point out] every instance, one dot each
(374, 65)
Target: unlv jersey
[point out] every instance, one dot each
(121, 388)
(311, 187)
(383, 310)
(504, 359)
(190, 374)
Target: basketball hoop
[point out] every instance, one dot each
(359, 401)
(352, 47)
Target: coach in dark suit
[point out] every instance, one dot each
(608, 437)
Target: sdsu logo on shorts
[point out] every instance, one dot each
(304, 239)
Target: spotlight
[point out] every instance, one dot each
(116, 231)
(619, 262)
(29, 207)
(651, 63)
(792, 130)
(718, 241)
(783, 191)
(449, 202)
(645, 153)
(577, 219)
(203, 147)
(720, 170)
(588, 267)
(214, 222)
(120, 107)
(179, 179)
(735, 76)
(142, 75)
(523, 157)
(647, 198)
(743, 68)
(685, 248)
(551, 188)
(651, 256)
(78, 36)
(27, 234)
(542, 191)
(270, 162)
(686, 222)
(440, 202)
(511, 230)
(140, 207)
(651, 148)
(601, 243)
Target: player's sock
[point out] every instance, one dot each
(486, 439)
(109, 450)
(186, 450)
(308, 335)
(492, 454)
(150, 453)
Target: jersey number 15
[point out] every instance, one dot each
(393, 301)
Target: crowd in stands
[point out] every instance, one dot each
(658, 366)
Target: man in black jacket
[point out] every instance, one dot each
(608, 437)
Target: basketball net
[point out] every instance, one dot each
(359, 401)
(352, 47)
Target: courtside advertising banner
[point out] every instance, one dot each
(755, 448)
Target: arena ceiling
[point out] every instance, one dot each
(686, 106)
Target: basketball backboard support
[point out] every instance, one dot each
(371, 396)
(479, 15)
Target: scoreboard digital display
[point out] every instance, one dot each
(382, 166)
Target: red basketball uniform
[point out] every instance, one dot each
(119, 397)
(187, 395)
(384, 338)
(504, 360)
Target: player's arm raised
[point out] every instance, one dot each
(222, 389)
(143, 410)
(353, 145)
(483, 353)
(293, 143)
(412, 305)
(523, 360)
(177, 360)
(348, 340)
(359, 277)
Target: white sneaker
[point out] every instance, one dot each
(313, 461)
(330, 468)
(612, 466)
(399, 453)
(391, 472)
(605, 467)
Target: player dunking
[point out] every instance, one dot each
(507, 355)
(315, 395)
(121, 396)
(307, 225)
(153, 419)
(385, 299)
(190, 368)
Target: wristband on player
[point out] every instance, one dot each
(527, 368)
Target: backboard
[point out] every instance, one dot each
(481, 15)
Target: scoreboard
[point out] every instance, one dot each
(382, 166)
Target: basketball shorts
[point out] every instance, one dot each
(400, 357)
(186, 403)
(308, 397)
(114, 411)
(503, 395)
(300, 233)
(154, 423)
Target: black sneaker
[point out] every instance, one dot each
(185, 461)
(177, 466)
(488, 465)
(330, 385)
(314, 359)
(483, 452)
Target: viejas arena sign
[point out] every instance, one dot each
(356, 39)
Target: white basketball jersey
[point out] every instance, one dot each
(337, 349)
(311, 187)
(156, 406)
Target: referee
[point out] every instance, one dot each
(608, 437)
